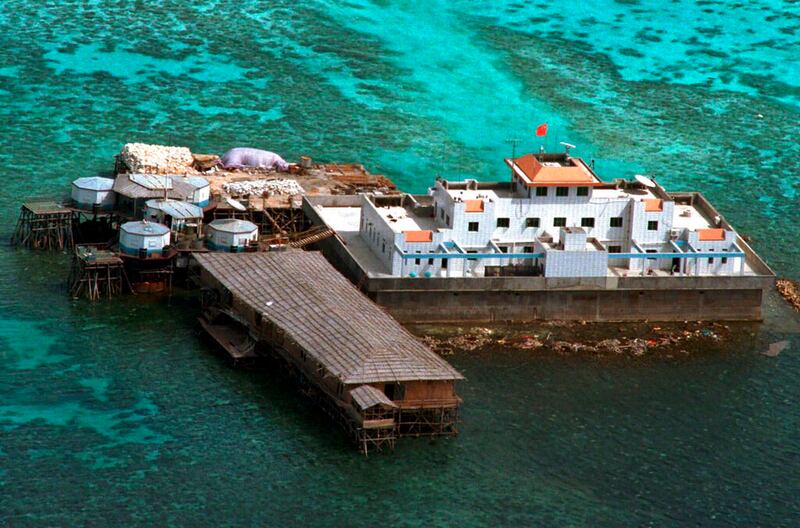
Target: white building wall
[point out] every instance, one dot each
(149, 242)
(201, 195)
(378, 235)
(576, 263)
(103, 199)
(715, 265)
(640, 220)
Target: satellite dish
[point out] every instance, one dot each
(644, 180)
(235, 204)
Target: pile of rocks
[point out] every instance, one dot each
(157, 159)
(790, 291)
(263, 187)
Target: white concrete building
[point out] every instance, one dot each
(555, 218)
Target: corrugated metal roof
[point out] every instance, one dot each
(144, 228)
(319, 309)
(233, 225)
(94, 183)
(152, 181)
(176, 208)
(366, 396)
(131, 186)
(198, 182)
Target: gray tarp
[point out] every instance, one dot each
(242, 157)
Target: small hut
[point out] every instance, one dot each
(231, 234)
(202, 190)
(143, 238)
(178, 215)
(93, 192)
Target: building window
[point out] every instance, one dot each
(652, 251)
(503, 222)
(416, 261)
(710, 260)
(383, 248)
(652, 225)
(541, 191)
(532, 222)
(559, 221)
(471, 251)
(724, 260)
(448, 220)
(441, 214)
(503, 249)
(473, 226)
(583, 191)
(527, 249)
(615, 249)
(616, 221)
(430, 262)
(562, 191)
(587, 222)
(444, 263)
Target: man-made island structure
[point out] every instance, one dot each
(551, 241)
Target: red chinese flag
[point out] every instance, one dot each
(541, 130)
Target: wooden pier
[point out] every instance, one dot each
(362, 367)
(44, 225)
(97, 273)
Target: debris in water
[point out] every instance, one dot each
(776, 348)
(789, 290)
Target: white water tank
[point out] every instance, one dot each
(143, 238)
(230, 234)
(93, 192)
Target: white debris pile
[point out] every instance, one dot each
(157, 159)
(260, 187)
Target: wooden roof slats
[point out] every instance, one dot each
(367, 396)
(352, 337)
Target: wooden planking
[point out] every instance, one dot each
(301, 293)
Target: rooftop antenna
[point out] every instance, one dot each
(442, 160)
(513, 142)
(567, 146)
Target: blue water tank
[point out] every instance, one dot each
(413, 274)
(428, 274)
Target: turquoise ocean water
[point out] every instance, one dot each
(118, 414)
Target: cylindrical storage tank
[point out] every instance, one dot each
(230, 234)
(143, 238)
(92, 192)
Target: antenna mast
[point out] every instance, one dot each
(513, 142)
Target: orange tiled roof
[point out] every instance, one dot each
(473, 206)
(418, 236)
(708, 235)
(653, 205)
(539, 175)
